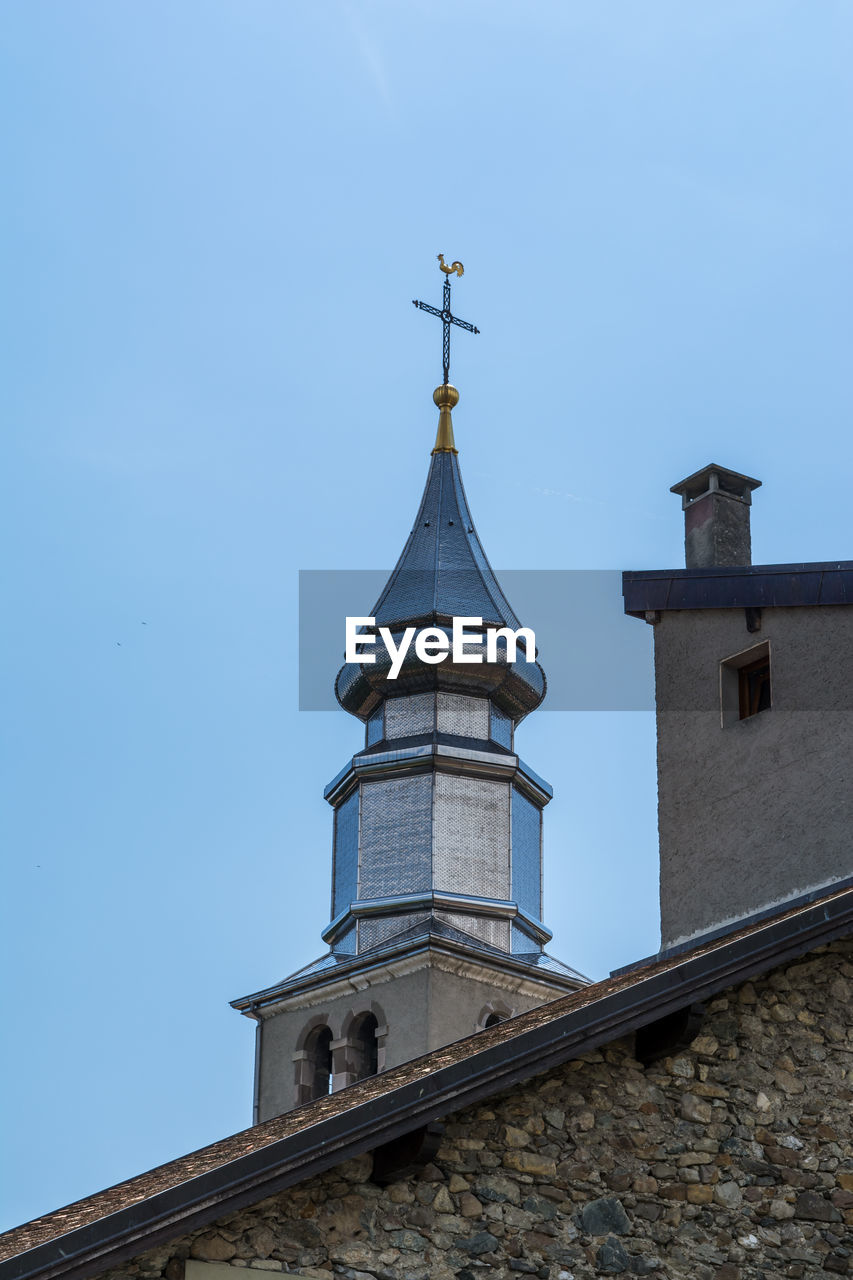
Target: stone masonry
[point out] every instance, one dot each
(731, 1161)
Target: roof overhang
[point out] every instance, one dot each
(746, 587)
(392, 960)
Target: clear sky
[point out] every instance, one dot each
(215, 216)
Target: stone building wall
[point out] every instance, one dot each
(731, 1161)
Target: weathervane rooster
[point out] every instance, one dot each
(449, 270)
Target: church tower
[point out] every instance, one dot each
(436, 917)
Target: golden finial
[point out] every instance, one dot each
(446, 397)
(454, 266)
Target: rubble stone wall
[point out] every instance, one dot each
(732, 1160)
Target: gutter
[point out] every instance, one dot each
(256, 1074)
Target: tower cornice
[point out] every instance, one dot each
(460, 902)
(441, 758)
(352, 975)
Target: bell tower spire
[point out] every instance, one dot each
(436, 916)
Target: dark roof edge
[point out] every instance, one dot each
(745, 922)
(754, 586)
(744, 570)
(282, 1163)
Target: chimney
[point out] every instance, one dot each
(716, 505)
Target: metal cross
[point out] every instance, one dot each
(446, 317)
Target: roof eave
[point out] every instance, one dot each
(753, 586)
(251, 1005)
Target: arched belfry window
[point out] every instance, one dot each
(493, 1013)
(364, 1046)
(360, 1052)
(319, 1049)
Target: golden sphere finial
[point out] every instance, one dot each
(446, 397)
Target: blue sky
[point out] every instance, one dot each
(215, 218)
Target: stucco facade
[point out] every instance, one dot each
(421, 1002)
(751, 811)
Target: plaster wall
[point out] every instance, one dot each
(752, 811)
(417, 1011)
(397, 1004)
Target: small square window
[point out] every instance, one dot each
(745, 684)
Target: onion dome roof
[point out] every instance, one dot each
(442, 573)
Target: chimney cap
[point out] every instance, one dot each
(734, 484)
